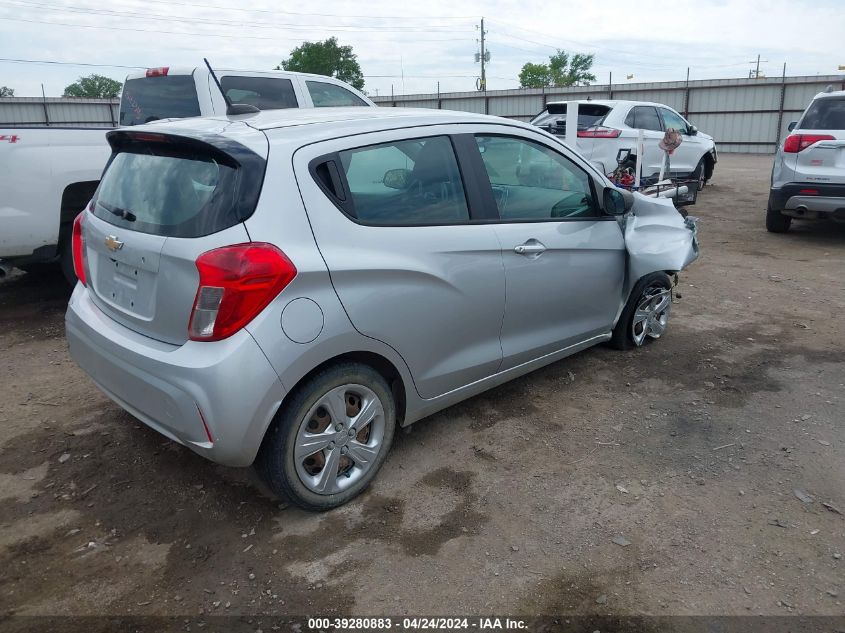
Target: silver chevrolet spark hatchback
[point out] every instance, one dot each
(283, 289)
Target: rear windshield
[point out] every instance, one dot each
(555, 115)
(825, 114)
(148, 99)
(177, 191)
(265, 93)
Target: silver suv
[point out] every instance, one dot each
(808, 177)
(285, 288)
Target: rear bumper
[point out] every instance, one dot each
(792, 199)
(166, 386)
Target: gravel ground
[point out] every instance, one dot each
(702, 474)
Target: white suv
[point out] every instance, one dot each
(605, 127)
(808, 176)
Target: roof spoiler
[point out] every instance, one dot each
(232, 109)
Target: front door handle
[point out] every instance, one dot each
(531, 247)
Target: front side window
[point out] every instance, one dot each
(406, 182)
(265, 93)
(326, 95)
(643, 118)
(531, 182)
(673, 120)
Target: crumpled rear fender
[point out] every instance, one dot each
(657, 238)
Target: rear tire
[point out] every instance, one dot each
(777, 222)
(623, 333)
(321, 414)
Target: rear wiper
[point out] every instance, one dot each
(126, 214)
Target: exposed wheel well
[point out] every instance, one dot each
(709, 166)
(377, 362)
(74, 198)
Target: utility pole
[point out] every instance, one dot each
(483, 57)
(756, 73)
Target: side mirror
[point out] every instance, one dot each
(791, 125)
(692, 131)
(617, 201)
(396, 178)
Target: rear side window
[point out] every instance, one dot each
(325, 95)
(265, 93)
(825, 114)
(177, 189)
(408, 182)
(148, 99)
(643, 118)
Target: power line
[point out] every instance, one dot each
(239, 23)
(325, 15)
(194, 33)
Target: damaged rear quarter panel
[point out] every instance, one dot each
(657, 238)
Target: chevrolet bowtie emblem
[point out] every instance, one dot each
(113, 244)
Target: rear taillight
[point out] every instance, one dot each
(78, 249)
(795, 143)
(236, 283)
(599, 132)
(158, 72)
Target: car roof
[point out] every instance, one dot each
(190, 70)
(273, 119)
(294, 124)
(608, 102)
(827, 95)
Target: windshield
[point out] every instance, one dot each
(147, 99)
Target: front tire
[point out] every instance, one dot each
(777, 222)
(699, 174)
(327, 444)
(646, 313)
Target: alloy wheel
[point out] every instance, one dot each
(652, 314)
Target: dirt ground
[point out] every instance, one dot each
(702, 474)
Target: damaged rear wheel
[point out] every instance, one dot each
(646, 314)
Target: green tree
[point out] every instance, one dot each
(326, 58)
(559, 72)
(534, 76)
(94, 86)
(5, 91)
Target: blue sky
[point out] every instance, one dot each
(410, 46)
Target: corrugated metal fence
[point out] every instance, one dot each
(743, 115)
(58, 112)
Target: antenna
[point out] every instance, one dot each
(232, 109)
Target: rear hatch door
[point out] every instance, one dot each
(824, 160)
(164, 200)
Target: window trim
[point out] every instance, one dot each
(347, 207)
(490, 199)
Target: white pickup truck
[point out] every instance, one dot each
(48, 174)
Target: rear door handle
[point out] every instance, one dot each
(531, 247)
